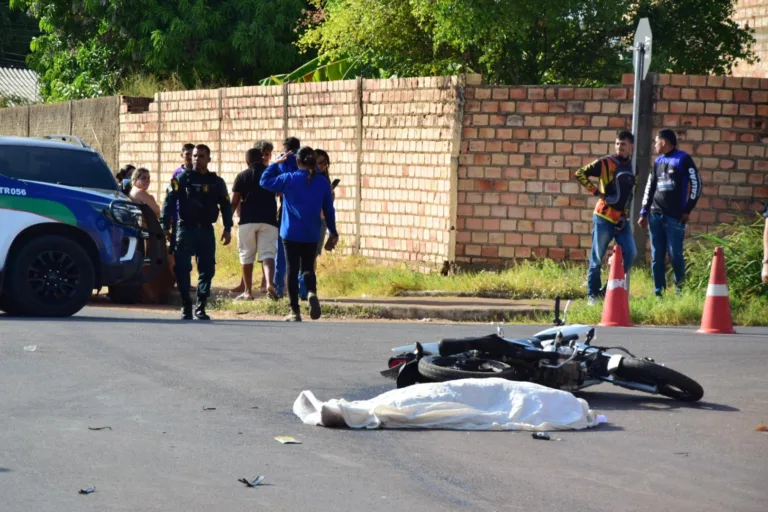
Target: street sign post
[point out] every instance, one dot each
(642, 61)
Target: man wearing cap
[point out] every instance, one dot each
(671, 194)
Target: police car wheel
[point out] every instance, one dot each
(8, 305)
(51, 276)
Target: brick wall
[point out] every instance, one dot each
(435, 169)
(723, 123)
(393, 143)
(410, 149)
(521, 145)
(755, 14)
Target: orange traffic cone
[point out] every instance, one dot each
(616, 307)
(717, 308)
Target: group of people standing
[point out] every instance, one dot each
(287, 238)
(671, 193)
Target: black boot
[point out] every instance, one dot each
(186, 309)
(200, 309)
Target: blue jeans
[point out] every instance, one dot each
(603, 232)
(280, 265)
(667, 236)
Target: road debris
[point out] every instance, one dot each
(287, 440)
(541, 435)
(209, 408)
(30, 348)
(684, 454)
(762, 428)
(254, 483)
(99, 428)
(89, 490)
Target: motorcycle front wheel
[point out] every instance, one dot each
(671, 384)
(445, 368)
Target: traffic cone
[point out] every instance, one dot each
(616, 307)
(717, 308)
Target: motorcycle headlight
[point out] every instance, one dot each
(126, 214)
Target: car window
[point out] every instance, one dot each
(60, 166)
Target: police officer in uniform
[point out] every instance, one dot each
(200, 194)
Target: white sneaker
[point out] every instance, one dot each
(592, 301)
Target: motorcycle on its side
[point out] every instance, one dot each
(562, 357)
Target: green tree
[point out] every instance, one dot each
(529, 41)
(88, 47)
(16, 31)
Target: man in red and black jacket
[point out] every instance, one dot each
(672, 191)
(615, 188)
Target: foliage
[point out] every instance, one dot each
(16, 31)
(11, 100)
(742, 243)
(323, 69)
(88, 48)
(147, 85)
(527, 41)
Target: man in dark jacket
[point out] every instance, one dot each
(671, 194)
(200, 195)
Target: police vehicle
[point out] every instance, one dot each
(66, 229)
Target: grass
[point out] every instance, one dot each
(350, 276)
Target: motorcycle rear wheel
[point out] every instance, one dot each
(445, 368)
(671, 383)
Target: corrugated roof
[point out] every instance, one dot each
(21, 83)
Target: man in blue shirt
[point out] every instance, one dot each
(671, 194)
(288, 164)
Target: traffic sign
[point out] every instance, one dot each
(642, 45)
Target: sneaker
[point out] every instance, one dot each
(314, 306)
(293, 317)
(592, 301)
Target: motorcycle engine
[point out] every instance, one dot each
(567, 378)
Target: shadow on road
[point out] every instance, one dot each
(170, 320)
(5, 470)
(624, 402)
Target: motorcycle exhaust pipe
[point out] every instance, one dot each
(635, 386)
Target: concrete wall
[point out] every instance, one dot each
(95, 121)
(14, 121)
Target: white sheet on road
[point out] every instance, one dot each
(467, 404)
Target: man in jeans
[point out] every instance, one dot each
(615, 187)
(257, 227)
(671, 193)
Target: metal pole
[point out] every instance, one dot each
(640, 53)
(636, 113)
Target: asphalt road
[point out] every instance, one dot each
(149, 376)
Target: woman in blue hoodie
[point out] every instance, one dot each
(305, 195)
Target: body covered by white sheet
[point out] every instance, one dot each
(467, 404)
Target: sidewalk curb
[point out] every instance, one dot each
(416, 311)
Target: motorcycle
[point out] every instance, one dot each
(561, 357)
